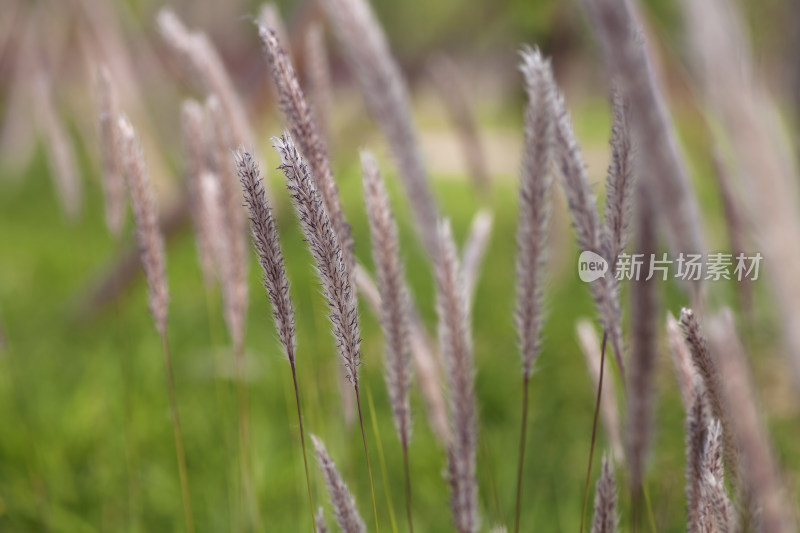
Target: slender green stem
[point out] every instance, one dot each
(521, 450)
(650, 518)
(408, 487)
(366, 453)
(303, 445)
(244, 440)
(594, 430)
(176, 428)
(223, 399)
(387, 488)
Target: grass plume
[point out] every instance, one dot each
(384, 89)
(332, 269)
(532, 228)
(265, 237)
(151, 253)
(605, 501)
(304, 131)
(344, 505)
(110, 152)
(455, 344)
(394, 313)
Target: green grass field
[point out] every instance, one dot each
(87, 440)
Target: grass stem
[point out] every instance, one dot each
(366, 453)
(303, 445)
(522, 437)
(594, 430)
(176, 428)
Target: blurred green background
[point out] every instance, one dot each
(87, 440)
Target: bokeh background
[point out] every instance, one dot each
(86, 443)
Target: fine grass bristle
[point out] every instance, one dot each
(455, 343)
(327, 253)
(267, 244)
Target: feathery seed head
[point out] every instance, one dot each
(148, 232)
(327, 253)
(267, 244)
(456, 347)
(394, 313)
(344, 505)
